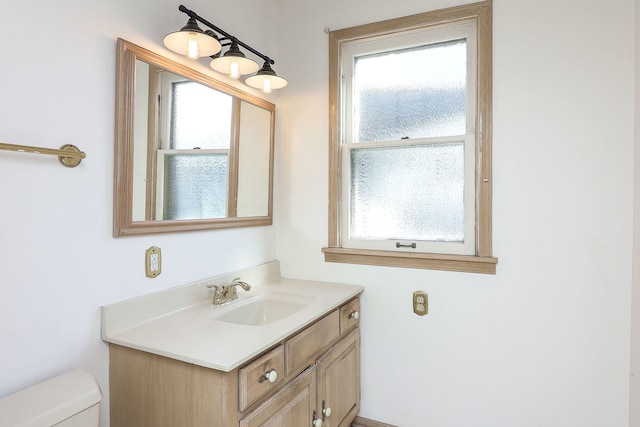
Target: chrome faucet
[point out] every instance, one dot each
(226, 293)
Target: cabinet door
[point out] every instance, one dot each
(292, 406)
(339, 382)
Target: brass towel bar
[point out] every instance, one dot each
(68, 155)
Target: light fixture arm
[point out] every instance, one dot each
(228, 36)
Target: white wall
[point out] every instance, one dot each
(545, 342)
(58, 261)
(634, 395)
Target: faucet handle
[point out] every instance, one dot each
(226, 293)
(237, 282)
(218, 294)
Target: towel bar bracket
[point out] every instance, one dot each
(71, 161)
(69, 155)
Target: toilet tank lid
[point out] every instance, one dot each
(51, 401)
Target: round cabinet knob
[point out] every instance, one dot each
(354, 315)
(317, 423)
(270, 376)
(326, 412)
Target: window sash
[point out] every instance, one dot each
(163, 154)
(466, 247)
(411, 39)
(380, 44)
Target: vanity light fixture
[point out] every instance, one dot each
(266, 79)
(194, 43)
(234, 63)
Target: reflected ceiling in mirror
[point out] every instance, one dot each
(191, 152)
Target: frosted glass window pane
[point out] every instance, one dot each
(416, 93)
(200, 117)
(195, 186)
(408, 193)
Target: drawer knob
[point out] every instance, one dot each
(326, 412)
(270, 376)
(354, 315)
(316, 422)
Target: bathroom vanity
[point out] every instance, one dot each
(286, 353)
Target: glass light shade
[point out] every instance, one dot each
(266, 79)
(191, 41)
(234, 63)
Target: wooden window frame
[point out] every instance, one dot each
(482, 261)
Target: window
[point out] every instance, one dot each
(410, 165)
(194, 150)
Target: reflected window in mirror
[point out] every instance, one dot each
(192, 150)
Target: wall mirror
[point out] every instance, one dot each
(191, 152)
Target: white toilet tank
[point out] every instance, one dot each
(69, 400)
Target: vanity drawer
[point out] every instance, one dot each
(302, 347)
(349, 315)
(255, 379)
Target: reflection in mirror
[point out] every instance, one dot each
(191, 152)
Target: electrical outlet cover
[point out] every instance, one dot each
(420, 303)
(153, 262)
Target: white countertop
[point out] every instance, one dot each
(181, 323)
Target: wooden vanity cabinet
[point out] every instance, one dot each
(317, 368)
(291, 406)
(329, 390)
(338, 374)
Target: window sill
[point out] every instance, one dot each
(461, 263)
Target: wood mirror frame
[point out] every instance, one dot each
(123, 223)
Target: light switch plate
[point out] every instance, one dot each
(153, 261)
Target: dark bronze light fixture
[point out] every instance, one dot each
(194, 43)
(266, 79)
(234, 63)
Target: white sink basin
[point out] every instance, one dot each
(264, 309)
